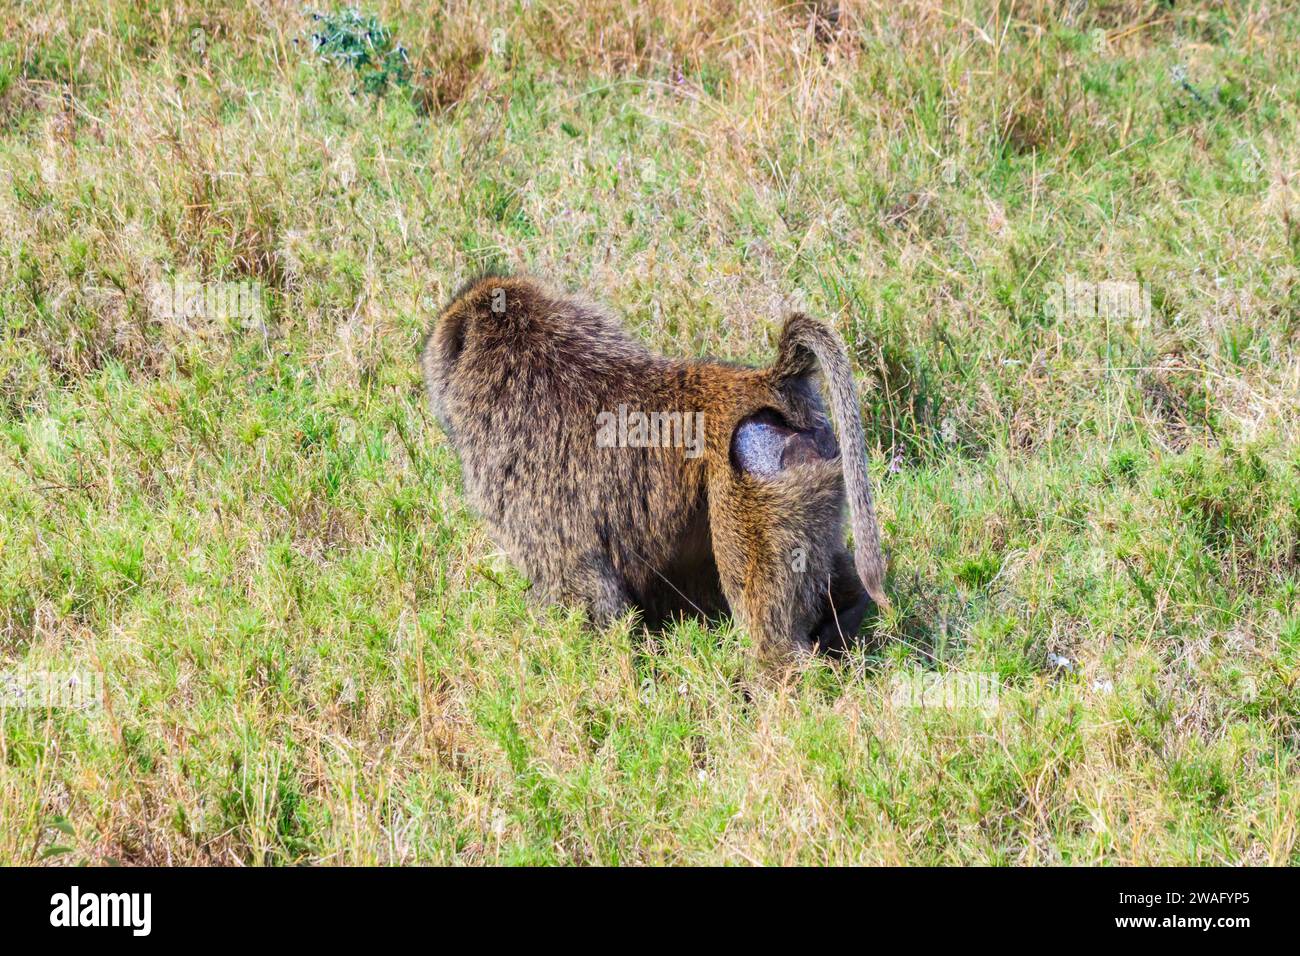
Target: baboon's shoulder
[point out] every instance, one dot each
(523, 313)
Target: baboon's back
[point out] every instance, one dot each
(517, 376)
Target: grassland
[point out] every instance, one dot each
(251, 533)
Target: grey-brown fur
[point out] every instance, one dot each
(518, 391)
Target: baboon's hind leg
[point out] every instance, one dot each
(848, 605)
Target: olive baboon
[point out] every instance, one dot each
(747, 518)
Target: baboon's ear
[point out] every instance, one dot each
(793, 360)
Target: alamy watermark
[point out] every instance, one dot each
(184, 302)
(952, 690)
(1110, 299)
(75, 908)
(24, 687)
(629, 428)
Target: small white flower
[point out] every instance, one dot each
(1060, 663)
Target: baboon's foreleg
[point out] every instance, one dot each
(595, 585)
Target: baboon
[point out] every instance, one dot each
(749, 520)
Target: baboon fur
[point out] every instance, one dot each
(516, 375)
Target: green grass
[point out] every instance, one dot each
(312, 652)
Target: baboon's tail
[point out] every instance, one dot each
(804, 340)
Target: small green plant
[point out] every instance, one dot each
(348, 37)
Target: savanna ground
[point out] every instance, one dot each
(251, 533)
